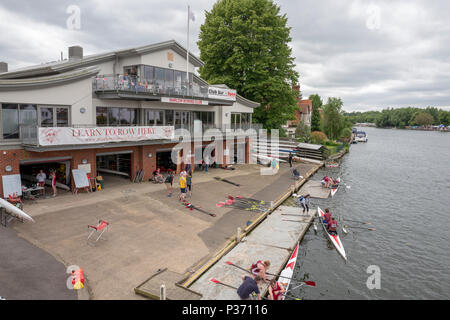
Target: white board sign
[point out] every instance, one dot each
(85, 167)
(12, 185)
(80, 178)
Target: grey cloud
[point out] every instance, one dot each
(403, 62)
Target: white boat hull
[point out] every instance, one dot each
(335, 240)
(13, 209)
(288, 271)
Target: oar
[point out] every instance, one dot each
(370, 229)
(224, 284)
(308, 283)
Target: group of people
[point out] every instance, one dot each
(330, 222)
(185, 181)
(249, 287)
(327, 181)
(41, 178)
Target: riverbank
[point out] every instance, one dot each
(149, 231)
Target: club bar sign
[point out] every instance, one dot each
(77, 136)
(221, 93)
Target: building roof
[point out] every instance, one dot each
(305, 106)
(73, 75)
(56, 67)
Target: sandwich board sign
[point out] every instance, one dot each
(12, 185)
(80, 178)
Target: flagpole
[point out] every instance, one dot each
(187, 54)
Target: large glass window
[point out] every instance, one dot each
(28, 114)
(102, 116)
(62, 117)
(159, 79)
(169, 117)
(117, 116)
(169, 80)
(177, 83)
(148, 75)
(46, 117)
(10, 121)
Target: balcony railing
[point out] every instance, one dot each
(29, 134)
(136, 85)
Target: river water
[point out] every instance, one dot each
(400, 182)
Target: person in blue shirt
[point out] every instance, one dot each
(249, 287)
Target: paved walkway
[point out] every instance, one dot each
(30, 273)
(148, 230)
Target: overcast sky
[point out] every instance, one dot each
(372, 54)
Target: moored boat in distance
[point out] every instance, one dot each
(361, 136)
(335, 240)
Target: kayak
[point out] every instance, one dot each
(334, 190)
(335, 240)
(288, 271)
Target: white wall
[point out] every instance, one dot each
(77, 94)
(160, 59)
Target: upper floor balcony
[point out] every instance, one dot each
(137, 87)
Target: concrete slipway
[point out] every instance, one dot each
(273, 240)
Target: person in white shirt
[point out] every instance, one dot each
(40, 177)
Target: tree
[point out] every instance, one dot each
(423, 119)
(244, 44)
(315, 117)
(303, 132)
(333, 119)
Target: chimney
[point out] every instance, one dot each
(3, 67)
(75, 52)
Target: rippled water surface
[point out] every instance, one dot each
(400, 182)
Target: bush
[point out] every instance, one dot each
(318, 137)
(347, 133)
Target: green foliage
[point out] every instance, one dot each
(318, 137)
(303, 132)
(423, 119)
(333, 119)
(315, 116)
(400, 118)
(244, 44)
(346, 133)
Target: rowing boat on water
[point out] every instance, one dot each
(335, 240)
(288, 271)
(334, 190)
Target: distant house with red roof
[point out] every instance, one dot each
(302, 113)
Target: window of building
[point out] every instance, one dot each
(169, 117)
(10, 121)
(116, 116)
(159, 79)
(148, 74)
(102, 116)
(169, 83)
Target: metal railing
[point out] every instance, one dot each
(135, 84)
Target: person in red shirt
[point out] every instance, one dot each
(259, 269)
(276, 290)
(327, 216)
(332, 226)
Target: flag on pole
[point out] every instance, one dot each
(191, 15)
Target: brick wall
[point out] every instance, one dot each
(140, 158)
